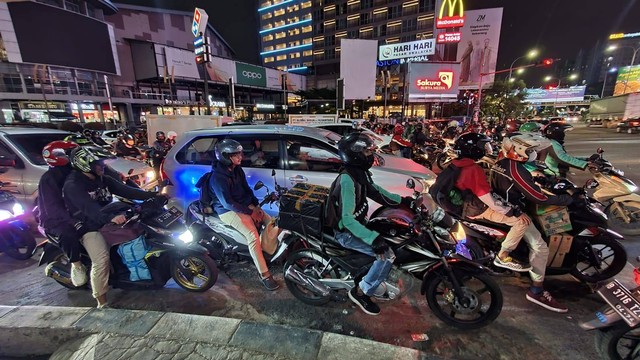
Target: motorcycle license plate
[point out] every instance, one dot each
(168, 217)
(623, 301)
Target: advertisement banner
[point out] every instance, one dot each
(295, 82)
(221, 69)
(433, 82)
(574, 93)
(628, 80)
(309, 119)
(478, 50)
(250, 75)
(358, 69)
(180, 63)
(274, 80)
(406, 50)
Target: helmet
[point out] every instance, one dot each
(56, 153)
(226, 148)
(84, 157)
(87, 132)
(352, 149)
(128, 140)
(172, 135)
(398, 129)
(78, 139)
(418, 127)
(520, 148)
(160, 134)
(472, 145)
(530, 127)
(555, 131)
(452, 123)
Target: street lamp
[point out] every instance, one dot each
(604, 83)
(633, 59)
(531, 54)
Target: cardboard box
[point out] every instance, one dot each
(559, 247)
(553, 219)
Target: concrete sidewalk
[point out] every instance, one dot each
(87, 333)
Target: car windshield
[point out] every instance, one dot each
(32, 144)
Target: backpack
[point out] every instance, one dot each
(333, 206)
(444, 192)
(206, 197)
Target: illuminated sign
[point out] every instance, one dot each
(216, 103)
(406, 50)
(444, 82)
(453, 17)
(623, 36)
(200, 19)
(265, 106)
(448, 37)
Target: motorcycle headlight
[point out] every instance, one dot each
(426, 184)
(17, 209)
(150, 175)
(186, 237)
(632, 188)
(5, 214)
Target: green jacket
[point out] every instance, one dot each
(557, 155)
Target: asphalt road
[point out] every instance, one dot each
(523, 329)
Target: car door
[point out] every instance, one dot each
(310, 161)
(13, 176)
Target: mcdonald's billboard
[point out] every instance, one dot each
(450, 14)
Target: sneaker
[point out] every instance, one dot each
(364, 302)
(547, 301)
(509, 263)
(270, 283)
(78, 275)
(104, 306)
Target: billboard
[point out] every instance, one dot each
(251, 75)
(406, 50)
(478, 50)
(221, 69)
(274, 79)
(359, 76)
(179, 62)
(628, 80)
(433, 82)
(574, 93)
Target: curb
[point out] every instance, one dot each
(43, 330)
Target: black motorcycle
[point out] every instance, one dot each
(589, 251)
(16, 239)
(458, 291)
(173, 252)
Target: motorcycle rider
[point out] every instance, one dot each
(452, 130)
(53, 215)
(418, 137)
(356, 185)
(127, 147)
(398, 145)
(86, 190)
(557, 159)
(236, 205)
(171, 138)
(160, 149)
(513, 182)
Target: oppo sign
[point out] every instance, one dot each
(251, 75)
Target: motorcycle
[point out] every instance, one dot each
(617, 324)
(617, 193)
(16, 239)
(173, 254)
(457, 290)
(594, 253)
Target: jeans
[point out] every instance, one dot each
(245, 225)
(380, 268)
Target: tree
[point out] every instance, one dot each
(503, 100)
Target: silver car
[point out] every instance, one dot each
(297, 154)
(24, 146)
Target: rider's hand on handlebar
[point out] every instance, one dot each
(119, 219)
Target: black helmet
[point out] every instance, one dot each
(225, 148)
(129, 140)
(87, 132)
(83, 157)
(472, 145)
(352, 150)
(555, 131)
(160, 134)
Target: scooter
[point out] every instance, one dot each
(173, 252)
(16, 239)
(457, 290)
(617, 324)
(618, 194)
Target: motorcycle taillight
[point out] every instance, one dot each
(636, 276)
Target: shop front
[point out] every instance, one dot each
(267, 112)
(39, 111)
(91, 112)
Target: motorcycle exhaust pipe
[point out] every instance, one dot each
(307, 282)
(58, 272)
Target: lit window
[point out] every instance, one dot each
(267, 38)
(305, 5)
(268, 59)
(306, 41)
(306, 29)
(279, 12)
(281, 46)
(281, 57)
(267, 16)
(307, 53)
(281, 35)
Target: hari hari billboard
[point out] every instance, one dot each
(433, 82)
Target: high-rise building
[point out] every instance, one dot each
(286, 32)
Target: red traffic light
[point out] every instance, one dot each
(547, 62)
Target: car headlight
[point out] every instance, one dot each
(186, 237)
(17, 209)
(150, 175)
(5, 214)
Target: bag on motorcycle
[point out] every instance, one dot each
(115, 234)
(132, 254)
(444, 192)
(302, 209)
(206, 198)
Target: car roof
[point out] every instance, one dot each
(29, 130)
(313, 132)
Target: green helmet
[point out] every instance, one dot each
(530, 127)
(83, 157)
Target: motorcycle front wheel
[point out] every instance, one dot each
(618, 342)
(18, 243)
(617, 220)
(315, 265)
(481, 305)
(609, 252)
(197, 273)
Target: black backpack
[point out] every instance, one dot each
(206, 197)
(444, 192)
(333, 206)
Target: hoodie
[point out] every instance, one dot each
(230, 190)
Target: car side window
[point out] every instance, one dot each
(5, 151)
(308, 156)
(259, 152)
(198, 151)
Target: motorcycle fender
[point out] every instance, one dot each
(633, 197)
(193, 248)
(48, 254)
(455, 263)
(605, 317)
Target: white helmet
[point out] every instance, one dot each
(172, 135)
(523, 148)
(452, 123)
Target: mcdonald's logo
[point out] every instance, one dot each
(451, 14)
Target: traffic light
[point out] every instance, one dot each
(544, 62)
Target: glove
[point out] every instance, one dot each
(379, 245)
(406, 201)
(162, 198)
(80, 228)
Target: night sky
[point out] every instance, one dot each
(558, 28)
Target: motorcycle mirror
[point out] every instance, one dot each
(130, 172)
(259, 185)
(411, 184)
(273, 172)
(600, 150)
(591, 184)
